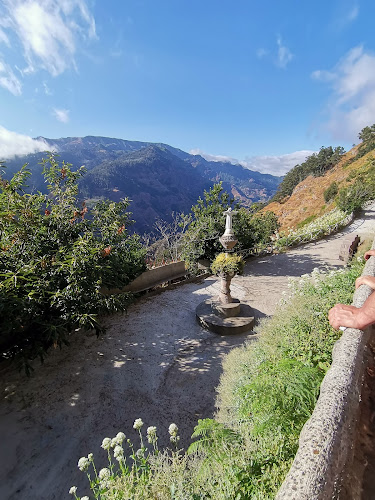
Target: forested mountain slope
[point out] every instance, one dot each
(158, 178)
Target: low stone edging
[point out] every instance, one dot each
(327, 438)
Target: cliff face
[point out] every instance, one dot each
(307, 200)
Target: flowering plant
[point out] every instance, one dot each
(227, 263)
(323, 226)
(134, 470)
(55, 255)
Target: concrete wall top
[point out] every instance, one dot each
(326, 439)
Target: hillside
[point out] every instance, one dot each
(307, 199)
(156, 181)
(158, 178)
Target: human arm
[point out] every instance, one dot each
(365, 280)
(368, 254)
(353, 317)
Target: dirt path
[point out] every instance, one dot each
(155, 363)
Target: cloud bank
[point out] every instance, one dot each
(48, 31)
(13, 144)
(351, 105)
(274, 165)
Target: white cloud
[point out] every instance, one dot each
(61, 114)
(49, 31)
(284, 55)
(13, 144)
(8, 79)
(352, 102)
(274, 165)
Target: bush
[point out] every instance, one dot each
(322, 226)
(331, 192)
(227, 263)
(353, 197)
(56, 255)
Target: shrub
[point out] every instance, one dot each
(331, 192)
(353, 197)
(227, 263)
(56, 255)
(322, 226)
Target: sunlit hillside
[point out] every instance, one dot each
(307, 200)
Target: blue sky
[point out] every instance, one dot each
(263, 83)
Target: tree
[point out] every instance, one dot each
(55, 257)
(201, 240)
(367, 133)
(169, 237)
(316, 164)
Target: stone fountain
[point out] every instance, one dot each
(224, 314)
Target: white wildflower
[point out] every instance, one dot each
(138, 424)
(104, 473)
(85, 498)
(73, 490)
(83, 463)
(90, 457)
(139, 453)
(120, 437)
(118, 453)
(151, 434)
(173, 429)
(106, 443)
(114, 442)
(151, 431)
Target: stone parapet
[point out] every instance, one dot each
(326, 442)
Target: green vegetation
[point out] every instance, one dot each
(208, 224)
(351, 199)
(331, 192)
(317, 165)
(267, 392)
(227, 263)
(306, 221)
(311, 231)
(55, 257)
(367, 136)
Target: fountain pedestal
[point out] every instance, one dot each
(223, 314)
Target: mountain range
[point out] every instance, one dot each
(158, 178)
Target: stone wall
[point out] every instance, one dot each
(326, 444)
(152, 278)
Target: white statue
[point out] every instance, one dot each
(228, 223)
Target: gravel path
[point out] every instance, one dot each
(155, 363)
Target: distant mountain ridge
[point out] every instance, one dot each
(158, 178)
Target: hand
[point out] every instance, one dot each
(342, 315)
(365, 280)
(368, 254)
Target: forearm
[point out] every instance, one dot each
(353, 317)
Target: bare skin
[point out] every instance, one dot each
(356, 317)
